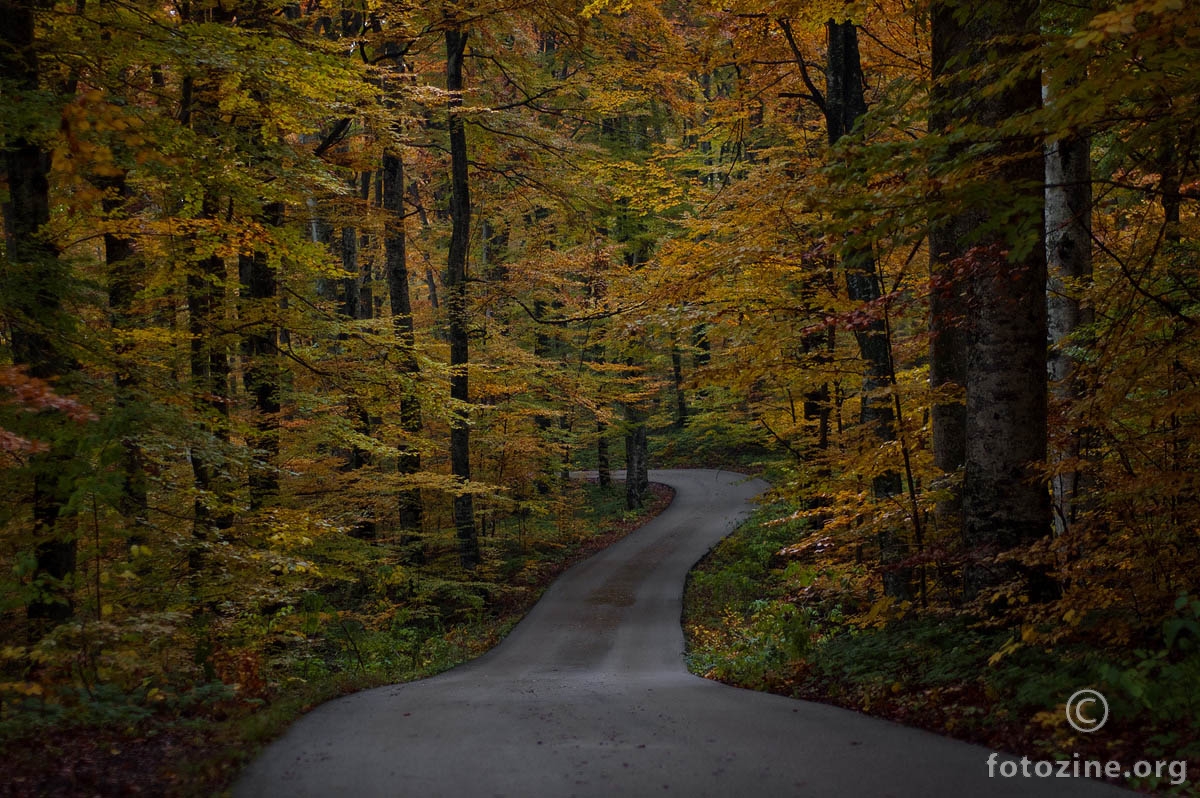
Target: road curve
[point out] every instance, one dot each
(589, 696)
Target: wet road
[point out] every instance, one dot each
(589, 696)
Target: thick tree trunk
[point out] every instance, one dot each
(262, 371)
(125, 275)
(210, 387)
(372, 306)
(396, 254)
(949, 240)
(844, 105)
(35, 276)
(1004, 502)
(456, 300)
(643, 461)
(1069, 264)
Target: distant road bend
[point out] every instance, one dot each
(589, 696)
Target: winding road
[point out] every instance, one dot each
(589, 696)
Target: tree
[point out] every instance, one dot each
(34, 312)
(1005, 502)
(845, 104)
(457, 299)
(396, 269)
(261, 371)
(952, 51)
(1069, 267)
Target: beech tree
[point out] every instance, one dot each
(457, 297)
(1069, 267)
(34, 315)
(1005, 502)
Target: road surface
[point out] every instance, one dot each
(589, 696)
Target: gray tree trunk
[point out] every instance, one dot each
(1004, 502)
(636, 467)
(681, 411)
(953, 48)
(603, 459)
(1069, 265)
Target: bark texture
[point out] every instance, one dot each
(1004, 501)
(955, 46)
(396, 267)
(1069, 265)
(126, 275)
(456, 300)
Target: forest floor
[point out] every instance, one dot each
(198, 752)
(764, 613)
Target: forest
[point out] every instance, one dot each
(308, 310)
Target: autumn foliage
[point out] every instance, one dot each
(301, 338)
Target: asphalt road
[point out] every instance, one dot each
(589, 696)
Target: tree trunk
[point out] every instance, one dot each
(1004, 502)
(125, 275)
(1069, 263)
(350, 283)
(635, 447)
(358, 307)
(395, 247)
(456, 300)
(681, 411)
(262, 371)
(206, 283)
(210, 387)
(844, 105)
(603, 459)
(35, 278)
(949, 240)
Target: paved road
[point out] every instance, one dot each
(589, 696)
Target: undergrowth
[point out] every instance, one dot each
(184, 720)
(767, 612)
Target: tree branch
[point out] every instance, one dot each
(817, 97)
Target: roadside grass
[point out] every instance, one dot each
(363, 629)
(759, 617)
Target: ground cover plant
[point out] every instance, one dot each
(777, 607)
(186, 727)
